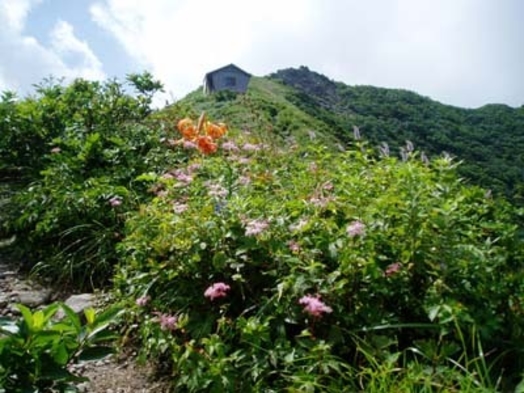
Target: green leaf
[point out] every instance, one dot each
(95, 353)
(90, 315)
(72, 317)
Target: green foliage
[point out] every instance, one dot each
(417, 269)
(36, 350)
(489, 140)
(91, 142)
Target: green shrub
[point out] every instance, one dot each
(301, 269)
(36, 350)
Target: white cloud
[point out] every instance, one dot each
(462, 52)
(29, 61)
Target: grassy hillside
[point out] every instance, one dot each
(489, 141)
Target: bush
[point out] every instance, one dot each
(265, 270)
(36, 350)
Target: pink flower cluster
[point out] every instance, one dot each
(314, 306)
(229, 146)
(217, 290)
(256, 227)
(293, 246)
(356, 228)
(142, 301)
(166, 321)
(115, 201)
(392, 269)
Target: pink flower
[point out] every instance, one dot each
(166, 321)
(314, 306)
(251, 147)
(293, 246)
(194, 167)
(115, 201)
(216, 190)
(217, 290)
(182, 177)
(179, 208)
(256, 227)
(142, 301)
(356, 228)
(320, 201)
(299, 225)
(189, 145)
(244, 180)
(56, 150)
(229, 146)
(393, 269)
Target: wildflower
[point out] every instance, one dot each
(217, 290)
(56, 150)
(393, 269)
(229, 146)
(179, 208)
(189, 145)
(314, 306)
(167, 321)
(194, 167)
(299, 225)
(206, 145)
(243, 160)
(320, 201)
(216, 190)
(256, 227)
(250, 147)
(328, 186)
(142, 301)
(244, 180)
(293, 246)
(187, 129)
(168, 176)
(182, 177)
(356, 228)
(215, 131)
(115, 201)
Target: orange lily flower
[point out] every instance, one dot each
(206, 145)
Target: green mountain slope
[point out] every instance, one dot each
(292, 102)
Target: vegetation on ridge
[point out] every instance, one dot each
(265, 258)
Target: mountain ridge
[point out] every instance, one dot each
(291, 102)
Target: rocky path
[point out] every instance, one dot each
(115, 374)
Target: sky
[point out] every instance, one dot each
(465, 53)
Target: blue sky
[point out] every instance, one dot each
(460, 52)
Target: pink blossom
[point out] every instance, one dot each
(320, 201)
(314, 306)
(217, 290)
(179, 208)
(182, 177)
(189, 145)
(393, 269)
(251, 147)
(142, 301)
(244, 180)
(299, 225)
(216, 190)
(293, 246)
(328, 186)
(56, 150)
(167, 322)
(168, 176)
(115, 201)
(229, 146)
(256, 227)
(356, 228)
(194, 167)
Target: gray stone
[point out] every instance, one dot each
(78, 303)
(32, 298)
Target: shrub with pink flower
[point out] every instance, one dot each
(314, 306)
(356, 228)
(217, 290)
